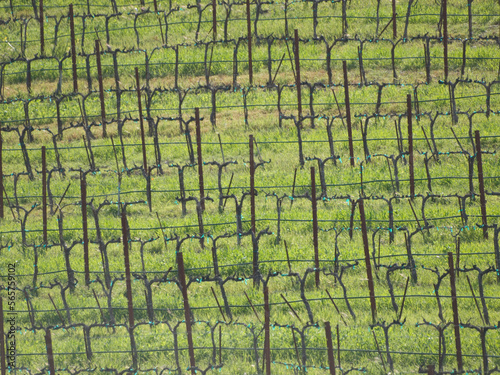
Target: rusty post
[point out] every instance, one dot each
(44, 195)
(469, 8)
(403, 302)
(42, 38)
(73, 48)
(98, 305)
(315, 224)
(348, 113)
(430, 370)
(148, 190)
(456, 322)
(329, 345)
(147, 175)
(394, 28)
(218, 304)
(480, 177)
(255, 256)
(1, 176)
(367, 260)
(378, 350)
(445, 38)
(475, 300)
(267, 343)
(159, 20)
(252, 306)
(88, 351)
(57, 310)
(252, 183)
(141, 121)
(338, 347)
(214, 19)
(200, 159)
(297, 75)
(83, 191)
(290, 307)
(427, 60)
(127, 269)
(293, 187)
(288, 258)
(249, 37)
(187, 310)
(50, 356)
(410, 146)
(335, 305)
(464, 57)
(2, 340)
(101, 88)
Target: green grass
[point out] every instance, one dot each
(412, 344)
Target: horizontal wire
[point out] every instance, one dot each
(300, 302)
(221, 266)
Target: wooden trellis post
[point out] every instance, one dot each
(348, 113)
(367, 260)
(187, 310)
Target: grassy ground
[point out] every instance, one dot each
(411, 344)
